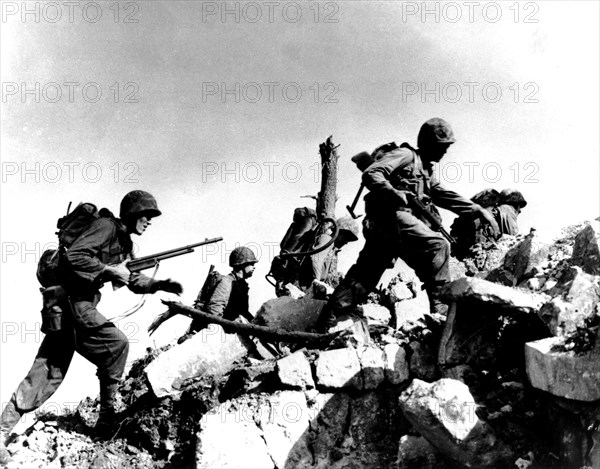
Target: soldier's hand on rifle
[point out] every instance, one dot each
(401, 197)
(118, 274)
(168, 285)
(490, 220)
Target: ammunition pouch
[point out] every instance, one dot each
(55, 302)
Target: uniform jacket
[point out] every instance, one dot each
(507, 219)
(105, 241)
(229, 298)
(400, 169)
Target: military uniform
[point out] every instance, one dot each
(507, 219)
(228, 300)
(84, 329)
(391, 229)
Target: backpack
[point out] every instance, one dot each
(297, 246)
(210, 284)
(49, 269)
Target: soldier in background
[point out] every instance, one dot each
(510, 206)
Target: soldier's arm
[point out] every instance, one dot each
(377, 176)
(82, 256)
(450, 200)
(218, 300)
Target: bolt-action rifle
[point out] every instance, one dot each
(147, 262)
(422, 211)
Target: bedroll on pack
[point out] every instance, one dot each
(69, 228)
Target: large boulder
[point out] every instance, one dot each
(209, 352)
(563, 374)
(521, 261)
(417, 452)
(575, 297)
(339, 369)
(229, 440)
(289, 313)
(444, 413)
(487, 293)
(586, 253)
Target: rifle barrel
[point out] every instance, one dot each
(140, 261)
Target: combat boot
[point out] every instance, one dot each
(107, 418)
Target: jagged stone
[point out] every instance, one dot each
(376, 314)
(294, 370)
(563, 374)
(284, 421)
(576, 297)
(586, 253)
(483, 291)
(417, 452)
(423, 362)
(330, 414)
(247, 379)
(229, 439)
(372, 366)
(339, 369)
(396, 367)
(290, 314)
(356, 332)
(209, 352)
(444, 413)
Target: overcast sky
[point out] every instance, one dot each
(218, 109)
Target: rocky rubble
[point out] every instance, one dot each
(487, 386)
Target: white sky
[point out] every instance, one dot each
(369, 62)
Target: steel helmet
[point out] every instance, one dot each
(349, 225)
(435, 130)
(242, 255)
(512, 197)
(138, 203)
(363, 160)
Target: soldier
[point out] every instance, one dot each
(228, 298)
(509, 208)
(392, 229)
(93, 259)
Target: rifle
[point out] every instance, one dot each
(422, 210)
(147, 262)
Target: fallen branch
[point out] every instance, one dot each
(262, 332)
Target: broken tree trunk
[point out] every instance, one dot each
(329, 166)
(261, 332)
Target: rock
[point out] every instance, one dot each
(294, 370)
(488, 293)
(413, 310)
(339, 369)
(376, 314)
(372, 366)
(290, 314)
(229, 439)
(247, 379)
(586, 253)
(417, 452)
(444, 413)
(209, 352)
(356, 332)
(521, 261)
(563, 374)
(396, 367)
(423, 362)
(576, 297)
(284, 421)
(294, 292)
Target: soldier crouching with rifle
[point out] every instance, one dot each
(87, 264)
(402, 220)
